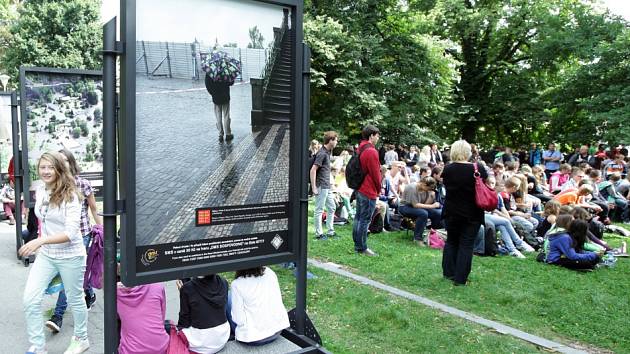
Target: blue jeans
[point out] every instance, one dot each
(479, 246)
(510, 238)
(422, 215)
(362, 219)
(325, 199)
(42, 272)
(62, 300)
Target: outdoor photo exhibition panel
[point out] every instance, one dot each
(210, 101)
(62, 109)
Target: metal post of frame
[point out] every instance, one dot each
(146, 61)
(300, 291)
(17, 173)
(109, 185)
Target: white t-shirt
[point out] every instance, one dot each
(257, 307)
(209, 340)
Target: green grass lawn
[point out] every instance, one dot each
(552, 302)
(355, 318)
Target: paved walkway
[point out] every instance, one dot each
(13, 337)
(190, 168)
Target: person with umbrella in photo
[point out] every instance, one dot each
(221, 71)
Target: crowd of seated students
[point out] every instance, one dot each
(532, 186)
(211, 313)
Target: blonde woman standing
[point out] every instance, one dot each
(461, 214)
(61, 251)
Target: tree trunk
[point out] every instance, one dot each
(469, 132)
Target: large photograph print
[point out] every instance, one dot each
(214, 91)
(62, 109)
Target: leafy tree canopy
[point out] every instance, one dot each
(54, 33)
(373, 62)
(256, 38)
(492, 71)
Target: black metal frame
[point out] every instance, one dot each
(127, 145)
(23, 124)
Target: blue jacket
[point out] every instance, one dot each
(561, 245)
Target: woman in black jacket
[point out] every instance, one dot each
(461, 214)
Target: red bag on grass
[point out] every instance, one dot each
(485, 197)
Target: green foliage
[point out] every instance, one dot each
(495, 72)
(92, 97)
(98, 115)
(76, 132)
(8, 14)
(46, 95)
(82, 125)
(373, 62)
(62, 34)
(594, 97)
(511, 52)
(256, 38)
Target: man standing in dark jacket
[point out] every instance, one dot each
(369, 190)
(220, 92)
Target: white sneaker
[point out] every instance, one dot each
(34, 350)
(526, 247)
(517, 254)
(77, 346)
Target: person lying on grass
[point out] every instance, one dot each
(567, 249)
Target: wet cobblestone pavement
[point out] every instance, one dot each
(181, 165)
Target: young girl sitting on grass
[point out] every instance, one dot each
(567, 249)
(593, 243)
(551, 212)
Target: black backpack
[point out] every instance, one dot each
(354, 172)
(376, 225)
(490, 237)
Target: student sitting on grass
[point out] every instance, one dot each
(566, 249)
(502, 223)
(551, 212)
(508, 207)
(558, 178)
(593, 243)
(577, 198)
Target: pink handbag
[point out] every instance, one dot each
(434, 240)
(485, 197)
(178, 343)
